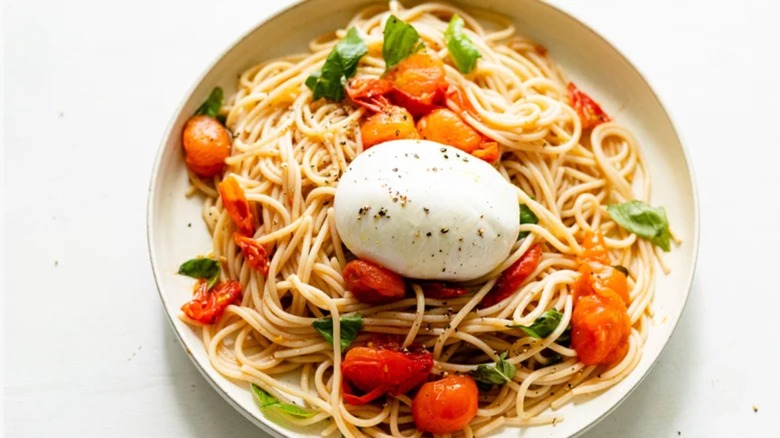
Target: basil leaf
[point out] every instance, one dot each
(495, 374)
(340, 65)
(543, 325)
(622, 269)
(201, 268)
(565, 338)
(526, 217)
(267, 401)
(401, 40)
(643, 220)
(212, 105)
(350, 326)
(462, 50)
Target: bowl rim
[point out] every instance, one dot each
(266, 426)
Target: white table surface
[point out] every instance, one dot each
(90, 87)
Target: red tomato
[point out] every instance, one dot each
(207, 306)
(382, 367)
(513, 277)
(446, 405)
(235, 203)
(392, 123)
(254, 253)
(589, 112)
(440, 290)
(373, 284)
(419, 83)
(370, 93)
(600, 328)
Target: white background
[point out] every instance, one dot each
(89, 87)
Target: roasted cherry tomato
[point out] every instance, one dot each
(207, 306)
(392, 123)
(419, 83)
(381, 367)
(373, 284)
(235, 203)
(589, 112)
(370, 93)
(444, 126)
(458, 97)
(511, 279)
(600, 328)
(255, 254)
(206, 145)
(440, 290)
(446, 405)
(594, 249)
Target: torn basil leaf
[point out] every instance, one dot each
(643, 220)
(495, 374)
(462, 50)
(526, 217)
(212, 104)
(400, 41)
(201, 268)
(350, 326)
(340, 65)
(267, 401)
(543, 326)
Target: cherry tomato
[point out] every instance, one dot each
(600, 328)
(511, 279)
(488, 151)
(458, 97)
(254, 253)
(235, 203)
(440, 290)
(383, 367)
(589, 112)
(373, 284)
(419, 83)
(392, 123)
(207, 306)
(446, 405)
(370, 93)
(594, 249)
(446, 127)
(206, 145)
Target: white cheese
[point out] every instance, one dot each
(425, 210)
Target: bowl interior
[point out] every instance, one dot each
(176, 230)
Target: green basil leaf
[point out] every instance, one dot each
(212, 105)
(350, 326)
(201, 268)
(267, 401)
(543, 325)
(401, 40)
(643, 220)
(495, 374)
(622, 269)
(565, 338)
(340, 65)
(462, 50)
(526, 217)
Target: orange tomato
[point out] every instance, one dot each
(255, 254)
(419, 83)
(593, 248)
(392, 123)
(446, 405)
(370, 93)
(373, 284)
(444, 126)
(600, 329)
(206, 145)
(207, 306)
(589, 112)
(458, 97)
(235, 203)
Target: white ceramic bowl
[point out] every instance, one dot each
(586, 57)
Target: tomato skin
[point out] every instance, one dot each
(383, 367)
(445, 126)
(207, 306)
(458, 97)
(392, 123)
(373, 284)
(440, 290)
(370, 93)
(234, 201)
(488, 151)
(594, 249)
(206, 145)
(255, 254)
(600, 330)
(446, 405)
(589, 112)
(513, 277)
(419, 83)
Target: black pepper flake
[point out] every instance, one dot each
(397, 132)
(428, 234)
(416, 156)
(446, 156)
(382, 213)
(445, 230)
(343, 143)
(480, 232)
(395, 169)
(443, 149)
(426, 210)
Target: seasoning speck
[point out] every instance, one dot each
(445, 230)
